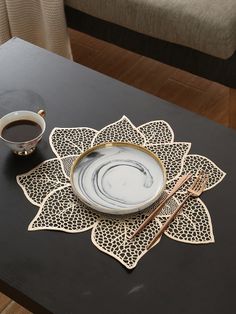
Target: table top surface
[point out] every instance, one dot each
(64, 273)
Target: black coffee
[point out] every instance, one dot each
(21, 131)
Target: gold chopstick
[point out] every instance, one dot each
(177, 186)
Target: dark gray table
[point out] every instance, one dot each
(52, 271)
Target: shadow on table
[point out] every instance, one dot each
(15, 165)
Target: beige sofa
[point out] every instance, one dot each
(207, 26)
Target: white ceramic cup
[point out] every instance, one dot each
(27, 147)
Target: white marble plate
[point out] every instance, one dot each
(118, 178)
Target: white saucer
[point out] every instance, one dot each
(118, 178)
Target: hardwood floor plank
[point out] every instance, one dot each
(85, 55)
(190, 80)
(211, 103)
(14, 308)
(182, 95)
(112, 61)
(148, 75)
(219, 111)
(4, 301)
(232, 107)
(79, 38)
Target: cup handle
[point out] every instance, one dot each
(42, 113)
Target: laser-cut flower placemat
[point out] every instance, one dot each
(48, 187)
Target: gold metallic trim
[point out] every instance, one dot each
(42, 113)
(110, 144)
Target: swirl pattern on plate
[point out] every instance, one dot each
(118, 179)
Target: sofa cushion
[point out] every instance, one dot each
(204, 25)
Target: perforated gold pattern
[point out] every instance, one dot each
(48, 186)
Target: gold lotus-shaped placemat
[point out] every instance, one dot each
(48, 187)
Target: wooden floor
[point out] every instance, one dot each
(7, 306)
(186, 90)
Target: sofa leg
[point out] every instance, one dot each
(232, 108)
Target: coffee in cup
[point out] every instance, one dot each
(22, 130)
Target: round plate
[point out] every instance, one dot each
(118, 178)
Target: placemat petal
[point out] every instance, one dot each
(111, 236)
(67, 163)
(157, 132)
(172, 156)
(71, 141)
(193, 225)
(193, 163)
(40, 181)
(61, 210)
(122, 130)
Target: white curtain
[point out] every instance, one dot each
(41, 22)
